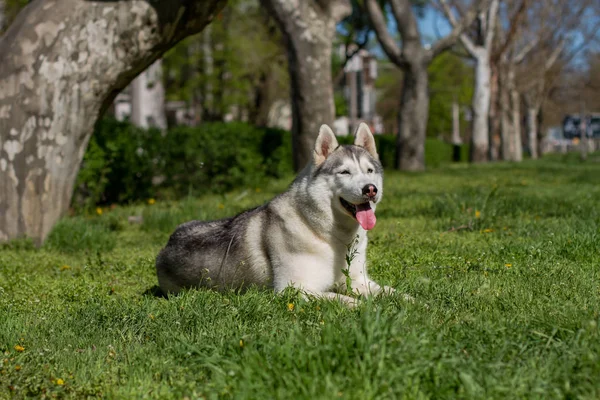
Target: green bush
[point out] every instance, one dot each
(219, 157)
(119, 164)
(125, 164)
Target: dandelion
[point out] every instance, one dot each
(151, 201)
(241, 343)
(60, 382)
(488, 230)
(98, 211)
(508, 265)
(65, 267)
(17, 367)
(477, 214)
(290, 306)
(221, 206)
(19, 348)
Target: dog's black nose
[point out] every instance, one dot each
(369, 190)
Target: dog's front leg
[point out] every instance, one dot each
(346, 300)
(357, 272)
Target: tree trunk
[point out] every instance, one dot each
(480, 142)
(494, 117)
(414, 111)
(148, 99)
(532, 131)
(515, 101)
(308, 28)
(63, 62)
(456, 139)
(506, 129)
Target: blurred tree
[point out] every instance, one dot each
(236, 68)
(478, 42)
(61, 68)
(308, 28)
(414, 59)
(561, 29)
(450, 81)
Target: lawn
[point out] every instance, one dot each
(502, 259)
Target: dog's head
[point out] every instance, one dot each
(354, 173)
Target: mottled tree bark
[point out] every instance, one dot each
(308, 27)
(62, 64)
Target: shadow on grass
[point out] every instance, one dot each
(155, 291)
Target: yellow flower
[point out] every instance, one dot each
(221, 206)
(152, 316)
(151, 201)
(17, 367)
(258, 190)
(477, 214)
(241, 343)
(19, 348)
(65, 267)
(291, 306)
(60, 382)
(508, 265)
(488, 230)
(98, 211)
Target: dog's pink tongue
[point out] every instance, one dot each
(365, 216)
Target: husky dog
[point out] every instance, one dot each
(300, 238)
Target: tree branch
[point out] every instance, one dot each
(491, 24)
(405, 19)
(449, 41)
(518, 59)
(379, 24)
(466, 41)
(515, 22)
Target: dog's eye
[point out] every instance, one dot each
(370, 170)
(344, 172)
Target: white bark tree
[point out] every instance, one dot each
(560, 29)
(414, 60)
(479, 48)
(148, 98)
(308, 28)
(63, 62)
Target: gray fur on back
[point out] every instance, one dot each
(199, 252)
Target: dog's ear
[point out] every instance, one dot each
(325, 145)
(364, 138)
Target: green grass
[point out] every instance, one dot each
(503, 261)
